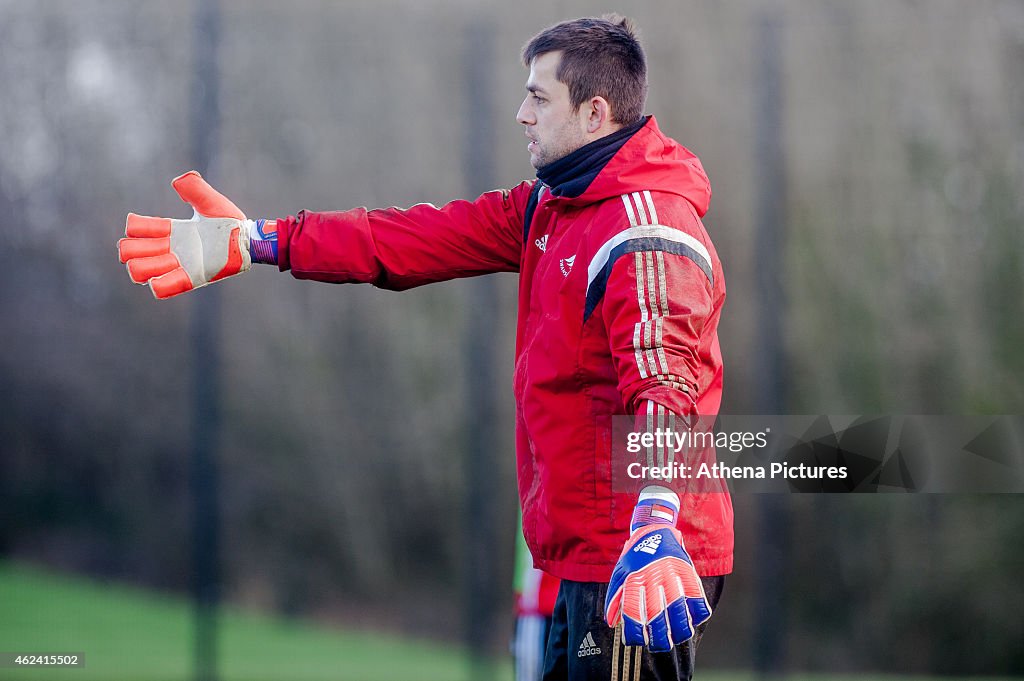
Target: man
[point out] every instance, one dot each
(619, 300)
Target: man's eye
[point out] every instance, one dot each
(538, 98)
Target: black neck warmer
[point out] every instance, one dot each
(570, 175)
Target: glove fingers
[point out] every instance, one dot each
(696, 600)
(633, 633)
(142, 270)
(129, 249)
(634, 615)
(146, 227)
(613, 608)
(207, 201)
(657, 621)
(699, 610)
(660, 641)
(679, 621)
(171, 284)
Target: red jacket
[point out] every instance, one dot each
(535, 590)
(620, 293)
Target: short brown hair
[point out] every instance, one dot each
(601, 57)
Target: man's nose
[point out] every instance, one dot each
(524, 115)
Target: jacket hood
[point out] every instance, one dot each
(650, 161)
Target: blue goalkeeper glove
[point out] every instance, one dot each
(654, 590)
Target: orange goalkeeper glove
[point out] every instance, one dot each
(176, 256)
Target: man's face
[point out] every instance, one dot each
(553, 127)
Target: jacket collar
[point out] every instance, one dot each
(643, 160)
(570, 175)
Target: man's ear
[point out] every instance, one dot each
(599, 114)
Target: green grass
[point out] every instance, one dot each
(132, 634)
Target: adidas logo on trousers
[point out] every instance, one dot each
(588, 647)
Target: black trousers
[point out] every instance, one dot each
(582, 647)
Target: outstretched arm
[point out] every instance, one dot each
(397, 248)
(390, 248)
